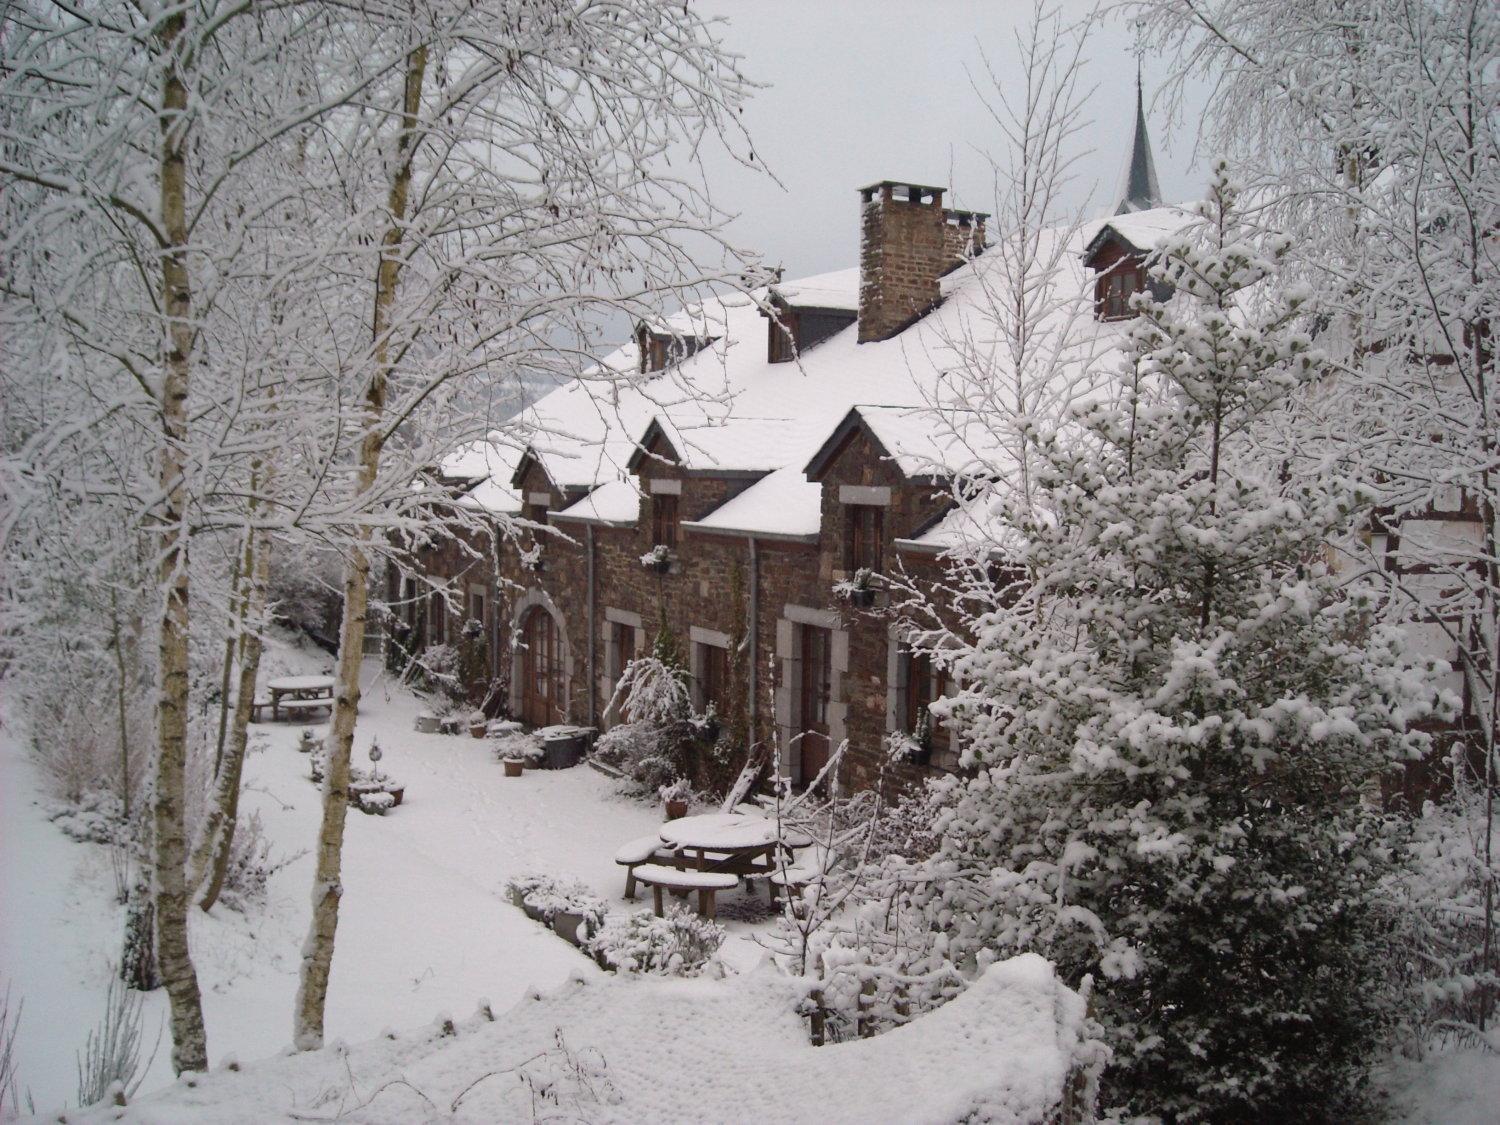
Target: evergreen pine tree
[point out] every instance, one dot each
(1180, 724)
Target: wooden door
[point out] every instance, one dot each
(542, 684)
(813, 697)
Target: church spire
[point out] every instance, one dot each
(1140, 191)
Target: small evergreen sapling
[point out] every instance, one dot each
(1178, 725)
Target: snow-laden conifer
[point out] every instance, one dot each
(1179, 717)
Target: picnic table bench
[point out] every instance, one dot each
(295, 694)
(707, 883)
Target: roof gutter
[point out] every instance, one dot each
(736, 532)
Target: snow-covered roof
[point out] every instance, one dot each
(1144, 229)
(728, 409)
(491, 464)
(926, 441)
(613, 502)
(836, 290)
(783, 505)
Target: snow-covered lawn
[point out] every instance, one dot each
(423, 929)
(425, 932)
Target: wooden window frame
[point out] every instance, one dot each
(664, 519)
(926, 683)
(713, 676)
(1116, 286)
(782, 337)
(864, 537)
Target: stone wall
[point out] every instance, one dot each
(793, 585)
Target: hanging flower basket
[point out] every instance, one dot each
(658, 560)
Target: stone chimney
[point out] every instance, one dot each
(903, 251)
(963, 237)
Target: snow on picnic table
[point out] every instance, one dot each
(623, 1049)
(423, 928)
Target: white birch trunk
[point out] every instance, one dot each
(317, 955)
(211, 857)
(189, 1039)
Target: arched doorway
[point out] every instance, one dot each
(543, 684)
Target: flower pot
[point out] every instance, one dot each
(862, 599)
(478, 730)
(534, 912)
(676, 809)
(570, 927)
(517, 898)
(514, 766)
(427, 723)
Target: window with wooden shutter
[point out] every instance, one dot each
(864, 536)
(664, 521)
(713, 676)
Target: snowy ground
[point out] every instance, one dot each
(424, 930)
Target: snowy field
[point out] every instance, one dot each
(423, 927)
(425, 932)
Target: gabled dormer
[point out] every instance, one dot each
(539, 493)
(657, 462)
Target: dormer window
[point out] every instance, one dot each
(864, 537)
(795, 328)
(1115, 288)
(781, 346)
(536, 507)
(661, 349)
(664, 520)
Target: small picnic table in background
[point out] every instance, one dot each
(301, 692)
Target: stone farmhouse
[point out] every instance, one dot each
(819, 446)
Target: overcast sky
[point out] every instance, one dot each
(866, 90)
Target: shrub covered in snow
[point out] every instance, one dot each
(680, 944)
(250, 866)
(1177, 719)
(650, 747)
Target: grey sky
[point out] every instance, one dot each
(865, 90)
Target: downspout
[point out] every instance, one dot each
(754, 629)
(592, 685)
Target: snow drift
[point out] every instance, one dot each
(622, 1049)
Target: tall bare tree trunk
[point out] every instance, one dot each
(317, 957)
(189, 1039)
(117, 641)
(216, 841)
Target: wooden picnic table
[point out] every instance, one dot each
(735, 843)
(309, 691)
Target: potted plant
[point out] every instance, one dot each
(858, 591)
(478, 724)
(514, 767)
(658, 560)
(706, 727)
(677, 795)
(427, 722)
(308, 742)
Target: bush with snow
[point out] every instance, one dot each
(650, 747)
(679, 944)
